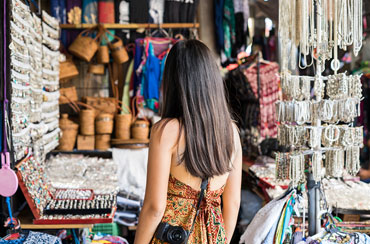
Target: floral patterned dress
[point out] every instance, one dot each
(181, 209)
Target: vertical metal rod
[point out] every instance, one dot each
(311, 192)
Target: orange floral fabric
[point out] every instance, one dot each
(181, 209)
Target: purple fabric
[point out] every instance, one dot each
(5, 80)
(72, 34)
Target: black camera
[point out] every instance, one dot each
(171, 234)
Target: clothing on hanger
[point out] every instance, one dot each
(269, 93)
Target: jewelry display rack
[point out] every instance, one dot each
(309, 124)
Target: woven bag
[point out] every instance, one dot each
(84, 46)
(67, 70)
(97, 69)
(102, 56)
(104, 123)
(123, 123)
(68, 94)
(140, 127)
(69, 133)
(118, 50)
(102, 104)
(102, 142)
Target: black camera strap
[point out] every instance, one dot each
(203, 188)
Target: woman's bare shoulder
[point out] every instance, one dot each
(166, 131)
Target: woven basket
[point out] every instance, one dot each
(102, 142)
(67, 70)
(104, 123)
(68, 94)
(118, 51)
(87, 122)
(69, 133)
(122, 126)
(102, 56)
(102, 104)
(140, 129)
(97, 69)
(84, 46)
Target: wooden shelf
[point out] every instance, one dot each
(26, 220)
(133, 26)
(30, 226)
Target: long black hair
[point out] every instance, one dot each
(193, 93)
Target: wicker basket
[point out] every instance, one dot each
(85, 46)
(97, 69)
(87, 122)
(118, 50)
(122, 126)
(67, 70)
(68, 94)
(102, 55)
(104, 123)
(102, 142)
(69, 133)
(102, 104)
(140, 129)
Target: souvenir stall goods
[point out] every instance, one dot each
(75, 194)
(336, 98)
(35, 80)
(85, 46)
(319, 28)
(253, 89)
(67, 69)
(123, 126)
(104, 123)
(69, 133)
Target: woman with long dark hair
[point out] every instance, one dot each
(195, 145)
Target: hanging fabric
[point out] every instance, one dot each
(268, 93)
(229, 27)
(106, 11)
(264, 220)
(90, 11)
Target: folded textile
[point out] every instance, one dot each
(125, 221)
(132, 166)
(41, 238)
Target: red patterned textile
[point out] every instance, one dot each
(181, 209)
(269, 94)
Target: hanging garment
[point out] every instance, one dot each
(180, 11)
(150, 79)
(241, 10)
(245, 110)
(269, 93)
(58, 10)
(73, 8)
(139, 13)
(264, 220)
(271, 235)
(156, 11)
(160, 46)
(229, 27)
(218, 12)
(126, 88)
(122, 16)
(106, 11)
(240, 36)
(242, 100)
(90, 11)
(242, 6)
(284, 221)
(180, 211)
